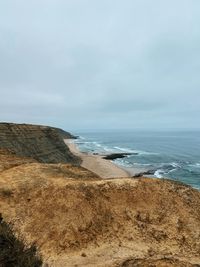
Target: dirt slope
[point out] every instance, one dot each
(78, 219)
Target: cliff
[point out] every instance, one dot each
(42, 143)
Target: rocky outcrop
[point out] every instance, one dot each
(42, 143)
(64, 134)
(141, 174)
(114, 156)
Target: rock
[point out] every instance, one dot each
(64, 134)
(140, 174)
(83, 255)
(117, 155)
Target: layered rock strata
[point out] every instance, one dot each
(42, 143)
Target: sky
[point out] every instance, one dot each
(94, 65)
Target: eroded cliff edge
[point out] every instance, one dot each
(42, 143)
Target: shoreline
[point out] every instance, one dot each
(100, 166)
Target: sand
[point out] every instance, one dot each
(102, 167)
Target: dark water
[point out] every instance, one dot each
(174, 155)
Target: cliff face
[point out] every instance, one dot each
(42, 143)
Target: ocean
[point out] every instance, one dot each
(168, 154)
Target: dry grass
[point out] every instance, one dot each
(78, 219)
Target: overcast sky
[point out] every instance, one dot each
(100, 64)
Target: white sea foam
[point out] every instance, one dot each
(172, 170)
(175, 165)
(166, 168)
(80, 137)
(98, 145)
(82, 142)
(107, 149)
(158, 173)
(195, 165)
(123, 162)
(128, 150)
(142, 164)
(140, 152)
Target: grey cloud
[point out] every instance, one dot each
(84, 63)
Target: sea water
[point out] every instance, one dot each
(168, 154)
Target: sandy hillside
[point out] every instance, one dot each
(78, 219)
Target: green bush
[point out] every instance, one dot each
(13, 252)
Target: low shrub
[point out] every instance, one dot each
(13, 252)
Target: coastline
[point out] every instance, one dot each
(102, 167)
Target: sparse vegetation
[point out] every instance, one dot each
(176, 182)
(6, 192)
(13, 252)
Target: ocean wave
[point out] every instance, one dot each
(81, 137)
(81, 142)
(143, 164)
(169, 165)
(107, 149)
(158, 173)
(175, 165)
(89, 143)
(98, 145)
(94, 145)
(159, 170)
(122, 163)
(166, 168)
(171, 171)
(134, 151)
(91, 146)
(195, 165)
(128, 150)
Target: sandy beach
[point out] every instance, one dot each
(102, 167)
